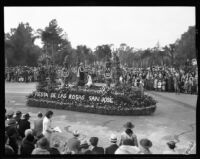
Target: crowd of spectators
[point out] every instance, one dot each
(21, 74)
(155, 78)
(163, 79)
(21, 139)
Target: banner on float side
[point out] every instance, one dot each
(76, 97)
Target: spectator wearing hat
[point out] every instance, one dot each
(74, 143)
(9, 118)
(127, 148)
(38, 124)
(47, 129)
(42, 147)
(8, 149)
(84, 148)
(24, 124)
(146, 144)
(171, 148)
(113, 147)
(94, 148)
(129, 134)
(12, 134)
(27, 145)
(18, 116)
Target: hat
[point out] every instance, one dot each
(18, 113)
(26, 115)
(76, 133)
(94, 141)
(113, 138)
(145, 143)
(11, 122)
(129, 125)
(10, 113)
(84, 144)
(171, 144)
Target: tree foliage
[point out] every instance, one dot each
(102, 52)
(20, 48)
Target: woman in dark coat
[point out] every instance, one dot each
(27, 144)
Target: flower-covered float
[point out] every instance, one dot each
(122, 99)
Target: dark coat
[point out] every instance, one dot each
(86, 152)
(53, 150)
(13, 135)
(9, 150)
(23, 125)
(111, 149)
(98, 150)
(27, 147)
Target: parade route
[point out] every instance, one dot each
(174, 119)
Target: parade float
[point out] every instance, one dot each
(120, 99)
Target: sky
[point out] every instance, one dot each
(138, 27)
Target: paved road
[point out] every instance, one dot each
(172, 120)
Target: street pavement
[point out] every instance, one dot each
(174, 119)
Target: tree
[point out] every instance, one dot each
(102, 52)
(20, 48)
(186, 48)
(55, 43)
(170, 52)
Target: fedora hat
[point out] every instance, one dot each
(129, 125)
(10, 113)
(26, 115)
(171, 143)
(145, 143)
(18, 113)
(76, 133)
(11, 122)
(113, 138)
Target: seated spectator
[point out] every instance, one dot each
(94, 148)
(54, 148)
(84, 148)
(38, 125)
(23, 125)
(27, 144)
(128, 134)
(73, 143)
(42, 147)
(145, 146)
(113, 147)
(171, 145)
(8, 149)
(127, 148)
